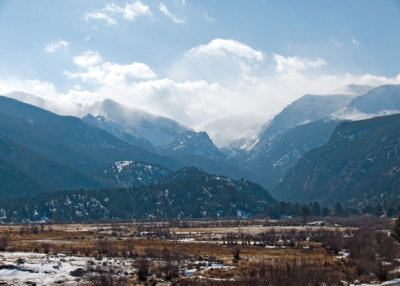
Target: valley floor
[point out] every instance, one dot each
(257, 252)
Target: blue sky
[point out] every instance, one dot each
(199, 62)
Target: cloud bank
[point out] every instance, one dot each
(221, 86)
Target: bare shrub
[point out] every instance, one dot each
(143, 268)
(129, 249)
(46, 247)
(106, 247)
(4, 241)
(236, 255)
(104, 275)
(291, 272)
(372, 252)
(331, 240)
(34, 229)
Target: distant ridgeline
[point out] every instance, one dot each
(187, 193)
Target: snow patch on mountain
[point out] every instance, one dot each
(122, 164)
(119, 131)
(126, 174)
(354, 114)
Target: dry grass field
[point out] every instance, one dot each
(254, 252)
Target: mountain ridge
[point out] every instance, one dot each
(358, 164)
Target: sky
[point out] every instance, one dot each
(222, 66)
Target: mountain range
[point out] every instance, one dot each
(114, 146)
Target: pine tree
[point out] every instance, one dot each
(396, 229)
(325, 211)
(316, 209)
(378, 210)
(338, 210)
(305, 213)
(391, 212)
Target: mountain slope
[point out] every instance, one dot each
(195, 149)
(269, 167)
(127, 174)
(68, 140)
(299, 127)
(193, 143)
(385, 97)
(187, 193)
(14, 183)
(41, 169)
(306, 109)
(118, 131)
(359, 164)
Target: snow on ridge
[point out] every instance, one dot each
(122, 164)
(355, 115)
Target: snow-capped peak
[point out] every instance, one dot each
(158, 130)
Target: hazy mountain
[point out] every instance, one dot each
(353, 89)
(359, 164)
(59, 106)
(306, 109)
(68, 140)
(298, 128)
(382, 100)
(187, 193)
(156, 129)
(193, 143)
(188, 147)
(225, 130)
(196, 149)
(286, 149)
(116, 129)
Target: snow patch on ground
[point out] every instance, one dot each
(17, 268)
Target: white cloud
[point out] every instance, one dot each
(53, 46)
(87, 38)
(221, 60)
(355, 42)
(208, 18)
(94, 70)
(130, 11)
(290, 64)
(165, 10)
(226, 47)
(336, 43)
(87, 59)
(99, 16)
